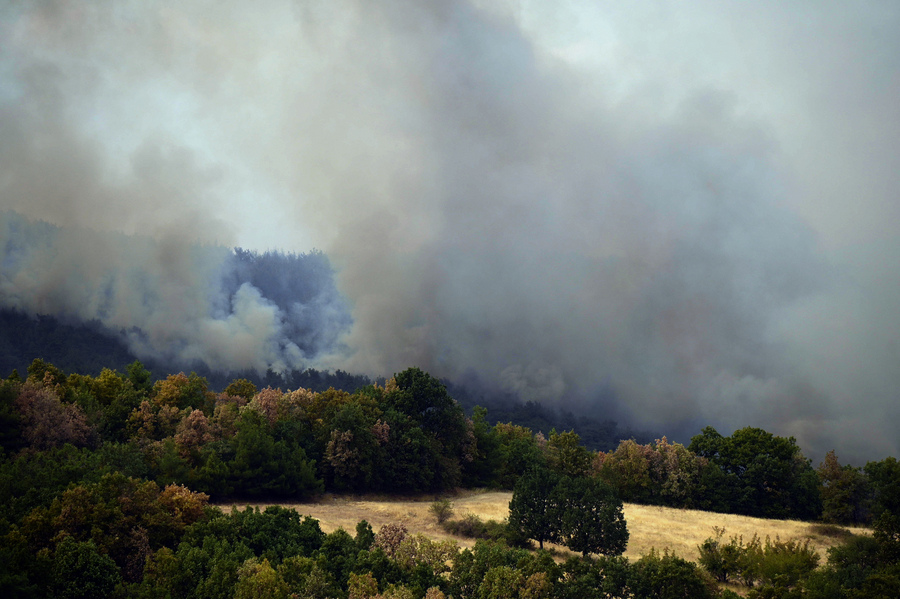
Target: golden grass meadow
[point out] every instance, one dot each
(678, 530)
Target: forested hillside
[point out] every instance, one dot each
(105, 483)
(90, 347)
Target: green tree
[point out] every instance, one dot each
(140, 378)
(533, 509)
(764, 475)
(884, 478)
(567, 455)
(80, 570)
(241, 388)
(263, 466)
(592, 517)
(425, 400)
(668, 576)
(481, 471)
(259, 580)
(845, 492)
(184, 391)
(10, 419)
(518, 452)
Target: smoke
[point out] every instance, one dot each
(672, 215)
(230, 310)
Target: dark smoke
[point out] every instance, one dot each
(678, 213)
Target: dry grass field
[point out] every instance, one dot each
(679, 531)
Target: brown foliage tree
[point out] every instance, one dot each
(48, 422)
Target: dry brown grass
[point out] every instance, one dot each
(679, 531)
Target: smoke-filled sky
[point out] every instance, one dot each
(676, 213)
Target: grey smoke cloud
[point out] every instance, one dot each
(176, 302)
(678, 215)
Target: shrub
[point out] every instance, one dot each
(389, 538)
(780, 563)
(469, 525)
(720, 559)
(442, 510)
(831, 531)
(786, 563)
(669, 576)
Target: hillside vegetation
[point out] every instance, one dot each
(651, 527)
(106, 482)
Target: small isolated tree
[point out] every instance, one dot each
(591, 516)
(533, 510)
(442, 510)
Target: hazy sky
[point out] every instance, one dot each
(684, 213)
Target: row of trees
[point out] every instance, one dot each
(169, 543)
(408, 435)
(754, 473)
(105, 482)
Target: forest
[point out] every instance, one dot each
(109, 485)
(89, 347)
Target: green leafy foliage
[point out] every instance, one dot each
(758, 474)
(585, 514)
(93, 468)
(79, 570)
(442, 509)
(779, 567)
(534, 510)
(668, 576)
(884, 478)
(592, 518)
(661, 473)
(845, 492)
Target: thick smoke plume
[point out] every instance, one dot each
(681, 215)
(229, 310)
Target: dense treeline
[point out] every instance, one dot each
(84, 347)
(108, 477)
(503, 406)
(89, 347)
(407, 436)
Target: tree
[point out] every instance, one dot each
(585, 514)
(884, 477)
(48, 422)
(517, 452)
(80, 570)
(425, 399)
(139, 377)
(592, 519)
(764, 475)
(241, 388)
(845, 492)
(668, 576)
(567, 455)
(533, 510)
(183, 391)
(258, 580)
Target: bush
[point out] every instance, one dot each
(831, 531)
(720, 559)
(442, 510)
(473, 527)
(470, 526)
(780, 563)
(786, 563)
(668, 576)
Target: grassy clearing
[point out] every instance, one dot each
(680, 531)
